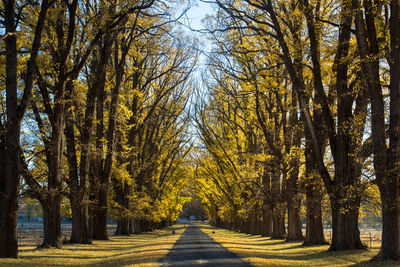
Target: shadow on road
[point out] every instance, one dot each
(195, 248)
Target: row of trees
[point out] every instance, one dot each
(93, 111)
(303, 99)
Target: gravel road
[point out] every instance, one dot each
(195, 248)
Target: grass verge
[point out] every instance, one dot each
(262, 251)
(136, 250)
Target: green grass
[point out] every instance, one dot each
(136, 250)
(262, 251)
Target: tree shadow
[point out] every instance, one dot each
(195, 248)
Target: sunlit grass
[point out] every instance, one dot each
(136, 250)
(262, 251)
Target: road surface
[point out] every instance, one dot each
(195, 248)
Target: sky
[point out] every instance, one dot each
(193, 24)
(198, 12)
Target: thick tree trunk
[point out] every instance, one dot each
(123, 226)
(278, 224)
(314, 227)
(76, 230)
(100, 216)
(104, 172)
(278, 209)
(122, 193)
(9, 208)
(52, 221)
(80, 227)
(385, 160)
(267, 220)
(51, 201)
(314, 187)
(294, 232)
(389, 185)
(345, 232)
(390, 248)
(9, 192)
(9, 183)
(11, 131)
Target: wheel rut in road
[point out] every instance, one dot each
(196, 248)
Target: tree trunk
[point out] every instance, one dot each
(385, 160)
(122, 193)
(122, 226)
(80, 229)
(9, 194)
(293, 205)
(389, 185)
(9, 208)
(11, 131)
(314, 187)
(267, 221)
(345, 232)
(134, 228)
(254, 222)
(390, 248)
(278, 223)
(314, 228)
(76, 230)
(294, 221)
(104, 172)
(9, 183)
(100, 217)
(241, 226)
(51, 221)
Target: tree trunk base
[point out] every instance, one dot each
(47, 245)
(315, 243)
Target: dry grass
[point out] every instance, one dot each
(372, 238)
(262, 251)
(136, 250)
(147, 250)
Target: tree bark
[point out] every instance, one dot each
(314, 192)
(390, 187)
(51, 221)
(345, 232)
(344, 189)
(103, 171)
(385, 159)
(9, 184)
(122, 226)
(122, 197)
(294, 232)
(278, 223)
(314, 227)
(267, 220)
(80, 227)
(11, 131)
